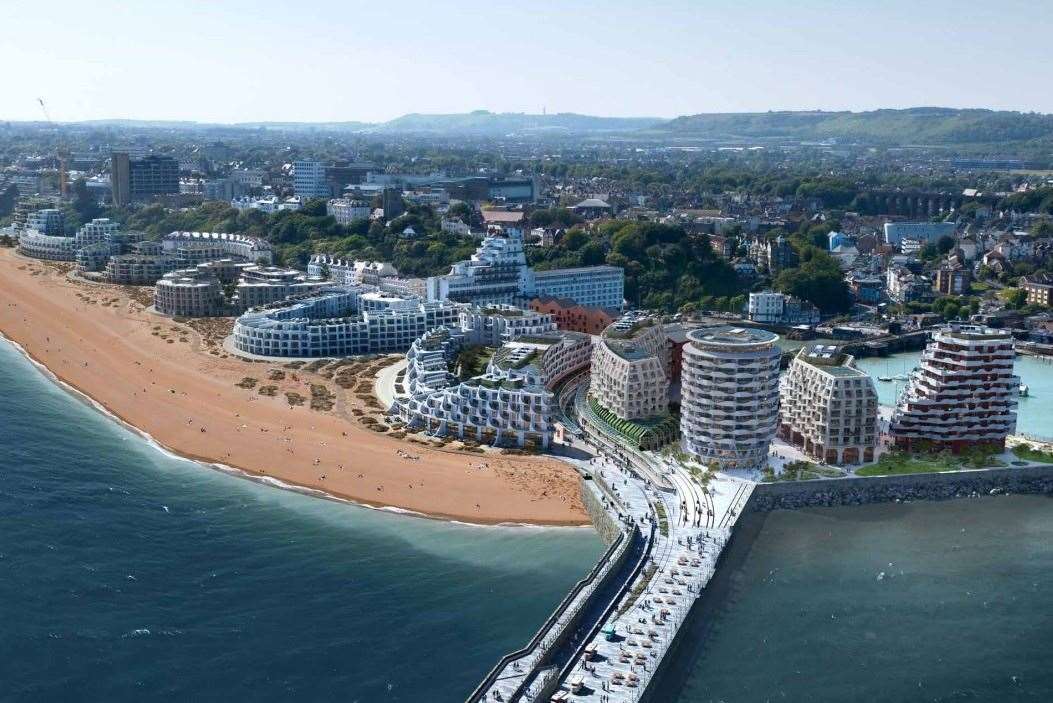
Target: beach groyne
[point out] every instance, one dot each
(864, 490)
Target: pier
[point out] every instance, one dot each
(666, 531)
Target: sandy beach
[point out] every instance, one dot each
(169, 380)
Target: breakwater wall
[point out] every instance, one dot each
(607, 527)
(884, 489)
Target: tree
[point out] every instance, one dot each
(819, 280)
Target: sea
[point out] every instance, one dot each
(127, 574)
(935, 602)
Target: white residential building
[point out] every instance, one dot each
(346, 211)
(511, 403)
(335, 323)
(630, 369)
(729, 404)
(829, 407)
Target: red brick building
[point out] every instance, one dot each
(568, 315)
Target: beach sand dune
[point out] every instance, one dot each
(160, 376)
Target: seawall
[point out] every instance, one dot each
(884, 489)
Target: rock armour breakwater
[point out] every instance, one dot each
(886, 489)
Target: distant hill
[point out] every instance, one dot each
(919, 125)
(485, 123)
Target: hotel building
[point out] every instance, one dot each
(729, 406)
(829, 407)
(962, 394)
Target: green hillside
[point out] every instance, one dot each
(921, 125)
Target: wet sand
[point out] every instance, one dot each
(158, 375)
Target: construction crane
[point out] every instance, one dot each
(62, 151)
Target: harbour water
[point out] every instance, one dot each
(1034, 413)
(949, 601)
(129, 575)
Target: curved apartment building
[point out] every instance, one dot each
(962, 394)
(194, 292)
(198, 247)
(630, 369)
(335, 323)
(729, 404)
(511, 403)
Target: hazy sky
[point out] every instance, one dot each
(322, 60)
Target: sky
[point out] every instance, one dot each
(329, 60)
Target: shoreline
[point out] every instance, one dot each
(241, 473)
(511, 490)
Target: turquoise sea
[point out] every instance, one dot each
(1034, 413)
(130, 575)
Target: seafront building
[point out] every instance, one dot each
(829, 407)
(340, 321)
(261, 285)
(630, 369)
(962, 394)
(38, 242)
(196, 292)
(49, 221)
(729, 404)
(198, 247)
(512, 402)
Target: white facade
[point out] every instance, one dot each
(347, 211)
(729, 405)
(43, 246)
(599, 286)
(334, 323)
(206, 246)
(829, 407)
(512, 403)
(630, 369)
(766, 307)
(498, 273)
(49, 221)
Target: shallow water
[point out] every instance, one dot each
(126, 574)
(949, 601)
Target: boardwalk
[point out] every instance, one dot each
(605, 642)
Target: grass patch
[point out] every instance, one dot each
(899, 463)
(1026, 451)
(663, 519)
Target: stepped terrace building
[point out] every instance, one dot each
(260, 285)
(729, 404)
(340, 321)
(829, 407)
(962, 394)
(41, 244)
(498, 273)
(195, 292)
(511, 403)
